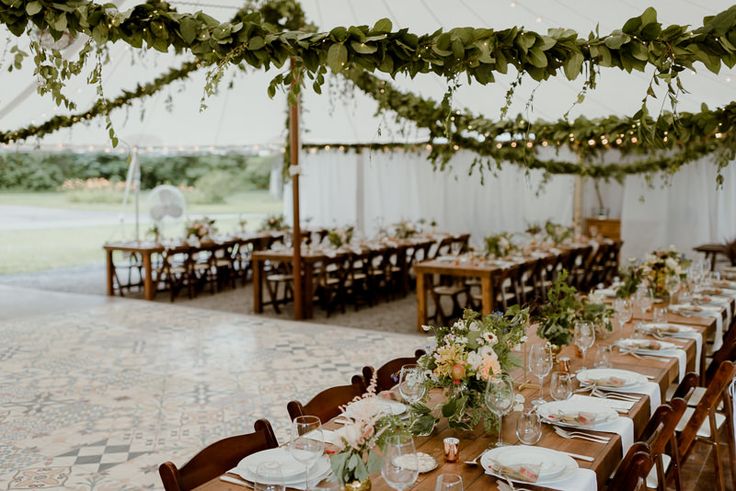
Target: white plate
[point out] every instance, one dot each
(631, 344)
(604, 413)
(555, 466)
(682, 331)
(632, 378)
(386, 406)
(293, 472)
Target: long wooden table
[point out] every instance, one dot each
(606, 456)
(147, 250)
(313, 258)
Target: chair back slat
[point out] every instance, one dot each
(217, 458)
(326, 404)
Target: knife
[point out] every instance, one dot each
(578, 456)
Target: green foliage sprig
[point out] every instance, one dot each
(559, 312)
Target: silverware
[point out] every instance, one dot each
(614, 395)
(476, 459)
(580, 435)
(233, 480)
(577, 456)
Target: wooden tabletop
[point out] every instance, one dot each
(606, 456)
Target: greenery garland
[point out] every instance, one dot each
(678, 140)
(480, 53)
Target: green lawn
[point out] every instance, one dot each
(37, 250)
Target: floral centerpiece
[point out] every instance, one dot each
(273, 223)
(201, 228)
(662, 269)
(366, 426)
(404, 229)
(631, 278)
(557, 233)
(534, 229)
(467, 354)
(594, 309)
(338, 237)
(242, 222)
(499, 245)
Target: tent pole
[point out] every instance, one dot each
(296, 235)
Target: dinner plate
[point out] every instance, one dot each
(292, 472)
(603, 412)
(386, 406)
(633, 345)
(555, 466)
(586, 377)
(666, 329)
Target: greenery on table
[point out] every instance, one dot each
(499, 245)
(404, 229)
(557, 233)
(338, 237)
(274, 223)
(467, 354)
(558, 314)
(631, 278)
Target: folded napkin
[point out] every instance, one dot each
(328, 436)
(679, 331)
(621, 425)
(584, 418)
(678, 353)
(607, 382)
(517, 472)
(650, 389)
(706, 311)
(582, 480)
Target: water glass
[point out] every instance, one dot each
(400, 465)
(602, 357)
(412, 385)
(659, 315)
(306, 449)
(539, 364)
(448, 482)
(529, 428)
(269, 477)
(584, 336)
(499, 398)
(561, 386)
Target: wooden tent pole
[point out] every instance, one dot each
(296, 235)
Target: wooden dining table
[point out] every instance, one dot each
(313, 258)
(605, 456)
(147, 250)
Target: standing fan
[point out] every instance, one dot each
(165, 201)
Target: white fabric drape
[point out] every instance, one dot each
(397, 185)
(404, 186)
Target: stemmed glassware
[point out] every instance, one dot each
(529, 427)
(400, 467)
(622, 311)
(306, 449)
(584, 336)
(499, 398)
(412, 385)
(540, 364)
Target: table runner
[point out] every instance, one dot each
(582, 480)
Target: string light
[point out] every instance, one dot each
(634, 139)
(513, 144)
(545, 143)
(529, 144)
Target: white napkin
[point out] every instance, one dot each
(622, 426)
(710, 311)
(650, 389)
(698, 338)
(328, 436)
(678, 353)
(582, 480)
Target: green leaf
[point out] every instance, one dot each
(639, 51)
(649, 16)
(32, 8)
(188, 29)
(383, 25)
(60, 23)
(573, 65)
(256, 43)
(363, 48)
(537, 58)
(616, 40)
(337, 57)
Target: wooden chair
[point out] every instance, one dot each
(326, 404)
(702, 424)
(387, 376)
(217, 458)
(659, 434)
(332, 283)
(279, 279)
(455, 291)
(577, 262)
(631, 475)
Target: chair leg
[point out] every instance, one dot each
(716, 451)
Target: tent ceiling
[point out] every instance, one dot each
(245, 115)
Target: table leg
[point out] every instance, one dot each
(403, 259)
(308, 290)
(110, 273)
(148, 291)
(421, 301)
(486, 295)
(257, 266)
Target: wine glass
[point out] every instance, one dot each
(540, 364)
(499, 398)
(529, 428)
(269, 477)
(602, 359)
(659, 315)
(448, 482)
(400, 467)
(584, 336)
(305, 448)
(560, 386)
(412, 383)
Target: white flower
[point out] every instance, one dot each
(490, 338)
(351, 435)
(671, 264)
(459, 325)
(475, 326)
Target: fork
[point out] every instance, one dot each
(613, 395)
(475, 460)
(579, 434)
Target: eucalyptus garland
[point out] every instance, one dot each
(480, 53)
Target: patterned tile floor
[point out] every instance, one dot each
(96, 396)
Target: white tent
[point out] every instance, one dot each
(391, 186)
